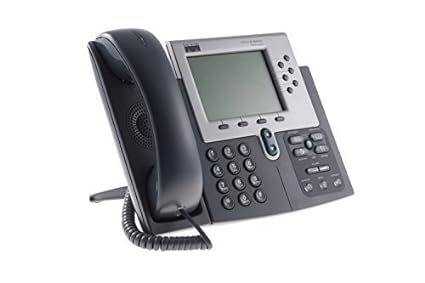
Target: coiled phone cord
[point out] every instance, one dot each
(164, 243)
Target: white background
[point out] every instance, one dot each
(56, 148)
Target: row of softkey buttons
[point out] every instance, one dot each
(234, 169)
(245, 123)
(308, 144)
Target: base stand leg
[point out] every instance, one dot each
(117, 193)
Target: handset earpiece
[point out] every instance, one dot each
(113, 60)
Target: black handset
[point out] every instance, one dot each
(176, 178)
(234, 130)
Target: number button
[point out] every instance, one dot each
(228, 152)
(228, 203)
(260, 196)
(233, 168)
(249, 165)
(239, 184)
(244, 149)
(254, 180)
(212, 155)
(222, 187)
(217, 171)
(244, 199)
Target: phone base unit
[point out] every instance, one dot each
(233, 128)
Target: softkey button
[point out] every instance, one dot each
(243, 124)
(249, 165)
(296, 139)
(317, 136)
(228, 152)
(254, 180)
(233, 168)
(299, 152)
(321, 149)
(260, 196)
(239, 184)
(244, 149)
(217, 171)
(261, 121)
(244, 199)
(212, 155)
(222, 187)
(228, 203)
(223, 126)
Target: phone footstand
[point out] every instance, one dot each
(118, 193)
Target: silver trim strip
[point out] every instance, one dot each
(299, 112)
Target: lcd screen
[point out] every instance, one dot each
(234, 84)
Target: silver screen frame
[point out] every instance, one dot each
(298, 110)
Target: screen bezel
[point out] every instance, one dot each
(298, 111)
(277, 89)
